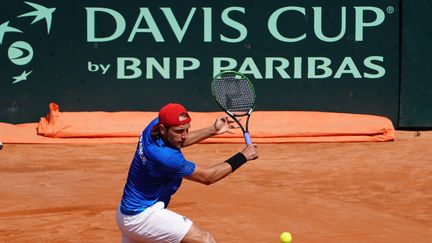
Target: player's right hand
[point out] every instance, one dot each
(250, 152)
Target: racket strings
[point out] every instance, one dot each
(234, 94)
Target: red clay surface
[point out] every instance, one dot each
(323, 192)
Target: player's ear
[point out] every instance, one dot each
(163, 130)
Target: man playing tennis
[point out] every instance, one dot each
(156, 173)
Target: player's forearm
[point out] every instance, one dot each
(220, 171)
(210, 174)
(214, 173)
(199, 135)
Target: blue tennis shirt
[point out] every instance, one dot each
(155, 174)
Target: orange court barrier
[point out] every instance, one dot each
(265, 127)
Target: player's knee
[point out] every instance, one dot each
(208, 237)
(198, 235)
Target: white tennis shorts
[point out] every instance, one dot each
(155, 224)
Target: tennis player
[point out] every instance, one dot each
(156, 173)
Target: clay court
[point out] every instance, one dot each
(320, 192)
(341, 95)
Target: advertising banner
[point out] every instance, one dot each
(339, 56)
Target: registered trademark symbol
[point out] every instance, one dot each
(390, 9)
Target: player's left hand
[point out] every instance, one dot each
(223, 124)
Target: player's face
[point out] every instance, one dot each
(176, 135)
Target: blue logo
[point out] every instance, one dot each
(20, 53)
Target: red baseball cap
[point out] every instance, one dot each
(169, 115)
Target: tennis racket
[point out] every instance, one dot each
(235, 94)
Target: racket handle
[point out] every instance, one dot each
(247, 138)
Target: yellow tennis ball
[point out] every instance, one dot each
(286, 237)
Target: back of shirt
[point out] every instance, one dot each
(156, 172)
